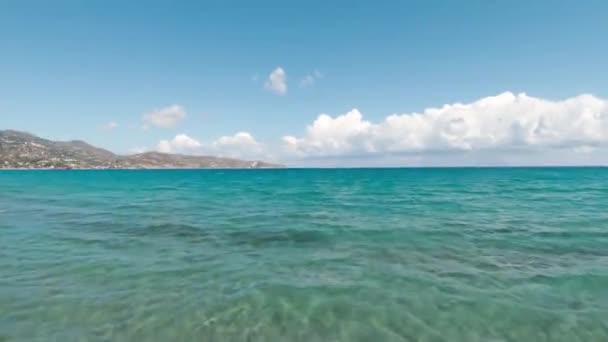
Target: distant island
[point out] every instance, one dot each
(21, 150)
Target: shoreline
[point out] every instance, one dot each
(313, 168)
(141, 168)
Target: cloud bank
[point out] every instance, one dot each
(497, 123)
(506, 129)
(167, 117)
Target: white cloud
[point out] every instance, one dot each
(307, 81)
(180, 144)
(506, 129)
(137, 150)
(167, 117)
(239, 138)
(240, 145)
(109, 126)
(506, 122)
(277, 81)
(310, 79)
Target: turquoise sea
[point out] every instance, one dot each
(485, 254)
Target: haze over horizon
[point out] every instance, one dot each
(314, 84)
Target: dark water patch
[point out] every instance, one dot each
(183, 231)
(289, 237)
(163, 188)
(573, 234)
(83, 240)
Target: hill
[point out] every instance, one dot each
(21, 150)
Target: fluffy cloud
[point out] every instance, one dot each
(239, 145)
(310, 79)
(180, 144)
(137, 150)
(240, 138)
(109, 126)
(503, 122)
(277, 81)
(506, 129)
(167, 117)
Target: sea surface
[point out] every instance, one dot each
(471, 254)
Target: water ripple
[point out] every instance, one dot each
(305, 255)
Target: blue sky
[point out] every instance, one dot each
(69, 68)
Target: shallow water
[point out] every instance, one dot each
(304, 255)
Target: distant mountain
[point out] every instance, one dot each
(21, 150)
